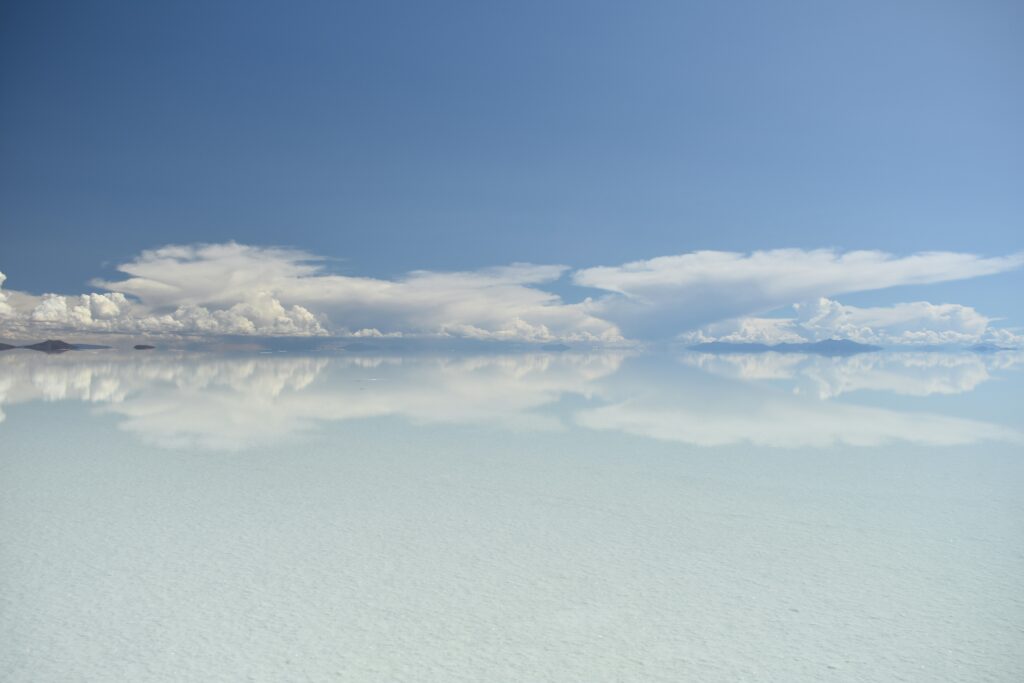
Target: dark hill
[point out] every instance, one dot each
(989, 348)
(60, 346)
(51, 346)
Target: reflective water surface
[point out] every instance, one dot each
(564, 516)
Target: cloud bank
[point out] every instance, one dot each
(495, 303)
(664, 296)
(907, 373)
(237, 289)
(231, 288)
(914, 323)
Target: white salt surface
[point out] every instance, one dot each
(520, 544)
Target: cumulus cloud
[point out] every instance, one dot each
(6, 310)
(495, 303)
(747, 331)
(259, 314)
(237, 289)
(904, 323)
(665, 296)
(913, 323)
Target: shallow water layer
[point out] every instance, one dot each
(552, 517)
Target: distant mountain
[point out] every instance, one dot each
(828, 347)
(835, 347)
(361, 346)
(59, 346)
(731, 347)
(4, 347)
(989, 348)
(143, 347)
(51, 346)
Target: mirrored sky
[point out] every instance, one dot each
(560, 516)
(235, 402)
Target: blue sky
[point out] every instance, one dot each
(389, 137)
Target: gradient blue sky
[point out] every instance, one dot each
(396, 136)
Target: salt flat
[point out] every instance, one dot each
(556, 517)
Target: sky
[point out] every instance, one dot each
(403, 157)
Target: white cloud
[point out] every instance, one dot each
(237, 289)
(494, 303)
(210, 274)
(747, 331)
(218, 289)
(664, 296)
(260, 314)
(6, 310)
(918, 322)
(909, 323)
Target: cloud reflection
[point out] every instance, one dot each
(905, 373)
(784, 421)
(222, 402)
(226, 402)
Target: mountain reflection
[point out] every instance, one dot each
(227, 402)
